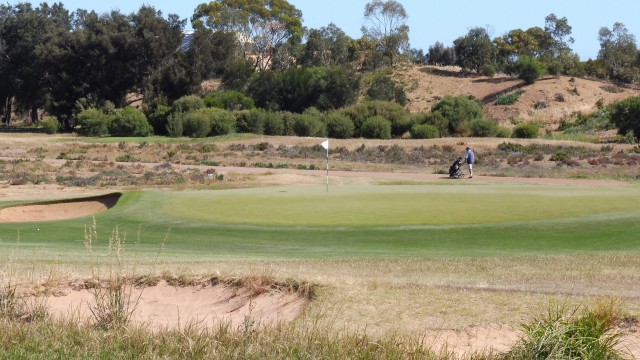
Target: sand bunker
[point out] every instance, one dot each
(58, 210)
(167, 306)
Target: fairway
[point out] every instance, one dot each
(359, 222)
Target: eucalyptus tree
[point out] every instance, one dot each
(263, 28)
(30, 43)
(474, 50)
(619, 52)
(156, 40)
(559, 56)
(440, 55)
(386, 25)
(327, 46)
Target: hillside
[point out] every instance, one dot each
(561, 96)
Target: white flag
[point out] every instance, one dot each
(325, 144)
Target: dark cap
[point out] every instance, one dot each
(468, 148)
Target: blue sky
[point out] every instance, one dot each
(430, 21)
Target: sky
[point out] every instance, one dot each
(430, 21)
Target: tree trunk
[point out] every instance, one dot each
(34, 114)
(8, 108)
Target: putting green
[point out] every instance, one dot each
(389, 205)
(354, 222)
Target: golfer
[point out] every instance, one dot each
(470, 159)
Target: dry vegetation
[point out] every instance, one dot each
(465, 304)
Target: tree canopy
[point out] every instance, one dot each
(263, 28)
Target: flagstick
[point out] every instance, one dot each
(327, 169)
(325, 144)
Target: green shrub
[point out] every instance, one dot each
(511, 147)
(483, 128)
(197, 124)
(376, 127)
(339, 126)
(174, 125)
(248, 121)
(560, 156)
(50, 124)
(260, 121)
(393, 112)
(625, 115)
(288, 119)
(222, 121)
(510, 98)
(458, 111)
(187, 103)
(158, 119)
(526, 131)
(385, 89)
(229, 100)
(309, 123)
(92, 122)
(273, 123)
(529, 69)
(488, 70)
(503, 132)
(129, 122)
(424, 131)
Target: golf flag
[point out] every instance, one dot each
(325, 144)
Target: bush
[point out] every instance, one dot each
(457, 110)
(260, 121)
(511, 147)
(187, 103)
(273, 123)
(222, 121)
(174, 125)
(309, 123)
(129, 122)
(503, 132)
(488, 70)
(50, 124)
(376, 127)
(229, 100)
(526, 131)
(483, 128)
(395, 113)
(339, 126)
(384, 88)
(197, 124)
(288, 119)
(249, 121)
(424, 131)
(625, 115)
(561, 156)
(158, 119)
(92, 122)
(439, 121)
(529, 69)
(510, 98)
(208, 121)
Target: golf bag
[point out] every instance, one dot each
(454, 169)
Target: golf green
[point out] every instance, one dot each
(360, 221)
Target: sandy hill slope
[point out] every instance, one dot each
(547, 101)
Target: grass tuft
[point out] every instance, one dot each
(571, 333)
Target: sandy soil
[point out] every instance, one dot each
(562, 96)
(59, 210)
(208, 306)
